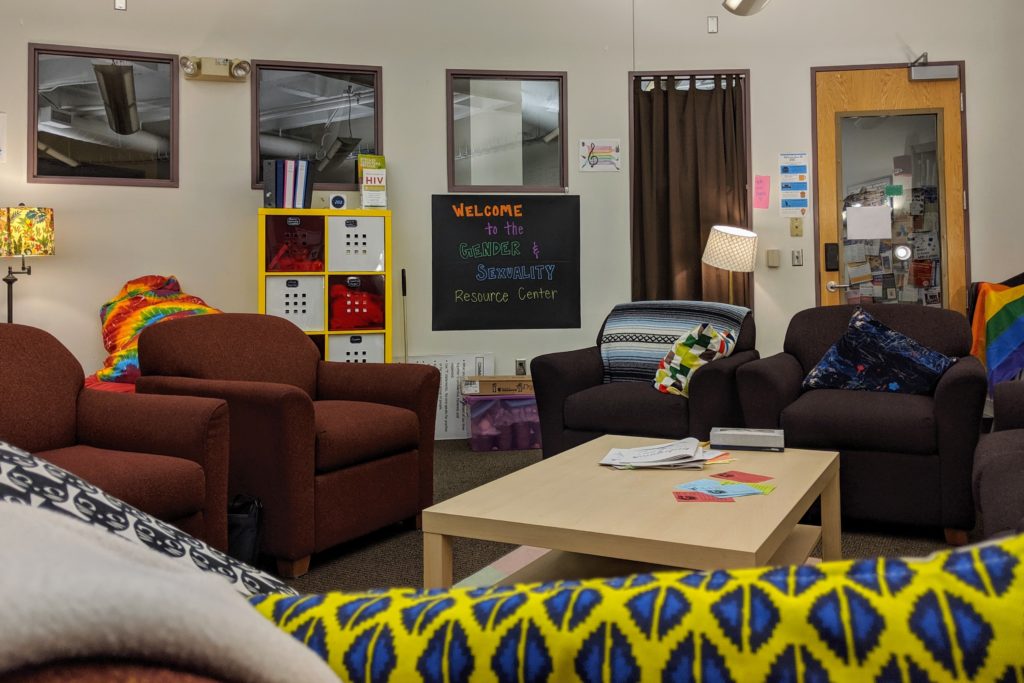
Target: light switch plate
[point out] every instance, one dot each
(796, 227)
(798, 257)
(772, 258)
(712, 24)
(121, 5)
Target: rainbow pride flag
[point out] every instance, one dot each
(998, 328)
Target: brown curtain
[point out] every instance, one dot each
(690, 173)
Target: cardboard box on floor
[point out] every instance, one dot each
(496, 385)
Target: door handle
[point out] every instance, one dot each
(833, 286)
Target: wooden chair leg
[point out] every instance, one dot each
(956, 537)
(292, 569)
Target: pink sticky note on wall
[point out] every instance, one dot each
(762, 189)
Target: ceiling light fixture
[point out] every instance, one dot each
(744, 8)
(117, 88)
(215, 69)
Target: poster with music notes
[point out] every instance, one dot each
(598, 155)
(503, 262)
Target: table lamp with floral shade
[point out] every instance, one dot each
(24, 231)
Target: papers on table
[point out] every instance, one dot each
(685, 454)
(725, 487)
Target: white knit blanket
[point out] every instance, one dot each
(70, 590)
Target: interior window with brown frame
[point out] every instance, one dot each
(506, 131)
(327, 114)
(102, 117)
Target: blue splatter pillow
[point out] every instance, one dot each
(873, 357)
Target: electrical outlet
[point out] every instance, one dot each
(798, 257)
(520, 366)
(796, 227)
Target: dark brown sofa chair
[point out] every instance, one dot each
(166, 455)
(577, 405)
(999, 464)
(903, 458)
(333, 450)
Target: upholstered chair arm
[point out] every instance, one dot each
(404, 385)
(959, 403)
(556, 376)
(184, 427)
(180, 426)
(1009, 405)
(766, 387)
(272, 452)
(714, 398)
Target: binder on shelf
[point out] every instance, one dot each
(270, 183)
(279, 184)
(307, 191)
(300, 183)
(289, 183)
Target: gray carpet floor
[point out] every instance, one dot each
(394, 556)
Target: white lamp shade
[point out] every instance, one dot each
(731, 248)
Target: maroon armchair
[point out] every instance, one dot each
(577, 403)
(904, 458)
(166, 455)
(333, 450)
(999, 464)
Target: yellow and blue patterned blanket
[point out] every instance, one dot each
(953, 616)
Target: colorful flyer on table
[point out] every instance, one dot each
(794, 184)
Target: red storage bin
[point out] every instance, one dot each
(503, 423)
(357, 302)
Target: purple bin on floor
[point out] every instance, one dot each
(503, 423)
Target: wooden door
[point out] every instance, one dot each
(857, 111)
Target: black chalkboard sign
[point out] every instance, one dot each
(506, 262)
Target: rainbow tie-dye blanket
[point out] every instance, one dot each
(140, 303)
(998, 329)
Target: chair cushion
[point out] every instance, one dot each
(871, 356)
(628, 408)
(697, 348)
(635, 336)
(165, 487)
(861, 420)
(351, 432)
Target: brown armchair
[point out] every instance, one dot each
(904, 458)
(999, 464)
(166, 455)
(578, 398)
(333, 450)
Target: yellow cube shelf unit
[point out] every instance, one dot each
(329, 272)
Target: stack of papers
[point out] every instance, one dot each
(685, 454)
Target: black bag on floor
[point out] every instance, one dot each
(244, 513)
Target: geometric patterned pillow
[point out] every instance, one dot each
(873, 357)
(699, 347)
(956, 615)
(29, 480)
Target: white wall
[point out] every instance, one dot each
(204, 231)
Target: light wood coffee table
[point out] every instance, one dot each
(570, 503)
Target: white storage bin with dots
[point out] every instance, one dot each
(356, 243)
(298, 298)
(355, 348)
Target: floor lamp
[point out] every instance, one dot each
(24, 231)
(732, 249)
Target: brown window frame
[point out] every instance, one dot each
(563, 118)
(34, 50)
(258, 64)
